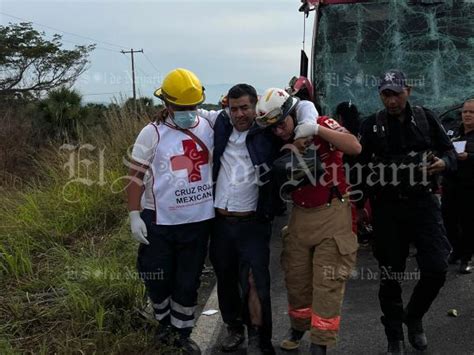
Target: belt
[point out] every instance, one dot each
(237, 219)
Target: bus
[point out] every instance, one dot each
(354, 42)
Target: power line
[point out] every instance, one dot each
(106, 49)
(151, 63)
(126, 59)
(65, 32)
(132, 51)
(146, 75)
(96, 47)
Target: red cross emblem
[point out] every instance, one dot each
(191, 160)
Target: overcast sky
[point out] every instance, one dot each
(224, 42)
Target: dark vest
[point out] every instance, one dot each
(420, 128)
(404, 167)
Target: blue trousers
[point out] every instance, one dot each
(171, 267)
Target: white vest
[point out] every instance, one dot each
(182, 174)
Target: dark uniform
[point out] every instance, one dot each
(408, 211)
(458, 194)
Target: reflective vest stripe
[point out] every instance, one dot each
(321, 323)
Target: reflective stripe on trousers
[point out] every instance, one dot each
(182, 316)
(162, 309)
(321, 323)
(301, 313)
(317, 321)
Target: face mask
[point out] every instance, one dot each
(184, 119)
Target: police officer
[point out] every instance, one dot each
(404, 148)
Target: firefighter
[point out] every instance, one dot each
(171, 158)
(408, 149)
(319, 247)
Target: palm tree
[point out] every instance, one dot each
(62, 111)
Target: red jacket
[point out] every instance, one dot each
(313, 196)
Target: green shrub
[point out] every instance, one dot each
(67, 262)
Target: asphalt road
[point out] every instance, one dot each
(361, 331)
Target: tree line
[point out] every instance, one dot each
(38, 106)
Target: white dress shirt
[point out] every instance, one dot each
(236, 187)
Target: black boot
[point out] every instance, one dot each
(396, 347)
(253, 347)
(393, 329)
(235, 337)
(317, 349)
(292, 339)
(266, 346)
(188, 346)
(416, 334)
(165, 335)
(259, 344)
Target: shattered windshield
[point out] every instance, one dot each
(431, 41)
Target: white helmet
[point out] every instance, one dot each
(273, 107)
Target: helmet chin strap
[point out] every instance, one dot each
(295, 121)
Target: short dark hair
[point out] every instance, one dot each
(239, 90)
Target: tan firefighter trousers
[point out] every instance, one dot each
(319, 253)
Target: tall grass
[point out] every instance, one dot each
(67, 262)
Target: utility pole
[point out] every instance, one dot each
(131, 51)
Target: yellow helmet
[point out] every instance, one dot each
(181, 87)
